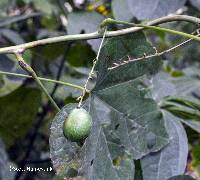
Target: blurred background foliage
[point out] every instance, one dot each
(26, 113)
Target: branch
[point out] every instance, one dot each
(43, 79)
(29, 69)
(157, 28)
(96, 35)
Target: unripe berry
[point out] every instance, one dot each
(78, 125)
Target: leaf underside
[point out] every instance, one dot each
(172, 159)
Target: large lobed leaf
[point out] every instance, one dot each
(85, 22)
(127, 123)
(146, 9)
(182, 87)
(121, 10)
(102, 154)
(172, 159)
(125, 92)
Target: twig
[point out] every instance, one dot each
(28, 69)
(43, 79)
(95, 35)
(115, 65)
(92, 70)
(157, 28)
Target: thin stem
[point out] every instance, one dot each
(43, 79)
(29, 69)
(115, 65)
(92, 70)
(95, 35)
(112, 21)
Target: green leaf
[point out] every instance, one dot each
(179, 87)
(181, 177)
(172, 159)
(125, 117)
(62, 151)
(195, 156)
(3, 3)
(151, 9)
(182, 108)
(192, 124)
(195, 151)
(102, 148)
(3, 6)
(162, 81)
(125, 91)
(186, 85)
(44, 6)
(65, 156)
(121, 10)
(85, 22)
(18, 110)
(53, 51)
(8, 85)
(80, 55)
(184, 113)
(184, 102)
(12, 36)
(50, 22)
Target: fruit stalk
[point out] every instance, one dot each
(157, 28)
(85, 90)
(95, 35)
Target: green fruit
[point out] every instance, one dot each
(78, 125)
